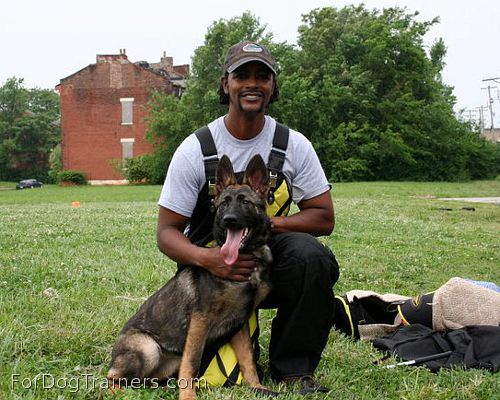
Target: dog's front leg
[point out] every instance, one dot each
(242, 346)
(191, 356)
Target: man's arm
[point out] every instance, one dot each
(172, 242)
(316, 216)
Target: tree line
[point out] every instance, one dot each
(29, 130)
(359, 84)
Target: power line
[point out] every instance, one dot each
(496, 80)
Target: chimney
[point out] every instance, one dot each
(108, 58)
(167, 63)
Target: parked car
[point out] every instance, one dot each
(29, 184)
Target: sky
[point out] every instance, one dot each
(45, 41)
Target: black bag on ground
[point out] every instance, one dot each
(469, 347)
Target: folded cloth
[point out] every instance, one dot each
(460, 303)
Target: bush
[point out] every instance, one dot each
(138, 169)
(148, 168)
(76, 177)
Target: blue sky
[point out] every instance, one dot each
(43, 42)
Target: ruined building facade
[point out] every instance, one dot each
(104, 109)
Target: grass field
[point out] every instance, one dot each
(70, 277)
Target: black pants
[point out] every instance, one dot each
(303, 274)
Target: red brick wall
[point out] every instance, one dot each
(91, 114)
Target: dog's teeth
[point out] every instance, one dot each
(243, 237)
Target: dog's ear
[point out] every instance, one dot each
(225, 174)
(256, 175)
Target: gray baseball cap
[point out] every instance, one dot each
(244, 52)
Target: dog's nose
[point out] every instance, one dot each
(230, 219)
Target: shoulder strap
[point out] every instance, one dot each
(210, 159)
(277, 157)
(278, 152)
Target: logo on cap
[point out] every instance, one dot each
(252, 48)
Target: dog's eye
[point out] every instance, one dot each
(245, 202)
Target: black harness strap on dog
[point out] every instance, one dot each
(210, 158)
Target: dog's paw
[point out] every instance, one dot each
(187, 395)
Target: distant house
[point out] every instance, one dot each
(493, 134)
(103, 110)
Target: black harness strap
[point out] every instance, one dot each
(277, 159)
(275, 163)
(280, 144)
(210, 158)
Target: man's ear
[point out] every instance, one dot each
(256, 175)
(223, 83)
(225, 174)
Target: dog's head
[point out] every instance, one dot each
(241, 222)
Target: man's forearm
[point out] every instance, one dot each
(179, 248)
(316, 222)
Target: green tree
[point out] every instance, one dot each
(172, 119)
(359, 84)
(376, 105)
(13, 100)
(28, 130)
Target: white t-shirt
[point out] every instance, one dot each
(186, 173)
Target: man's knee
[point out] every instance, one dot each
(307, 253)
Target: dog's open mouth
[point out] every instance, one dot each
(235, 239)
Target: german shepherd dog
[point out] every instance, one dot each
(167, 336)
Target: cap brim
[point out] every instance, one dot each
(245, 60)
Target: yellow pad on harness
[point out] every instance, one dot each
(281, 198)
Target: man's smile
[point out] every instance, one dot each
(252, 96)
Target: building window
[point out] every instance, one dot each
(127, 110)
(127, 150)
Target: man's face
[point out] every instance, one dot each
(250, 87)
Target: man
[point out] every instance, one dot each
(303, 271)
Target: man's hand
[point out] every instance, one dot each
(240, 271)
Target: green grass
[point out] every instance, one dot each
(71, 277)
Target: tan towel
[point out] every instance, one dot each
(460, 303)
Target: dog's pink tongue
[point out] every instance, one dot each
(230, 248)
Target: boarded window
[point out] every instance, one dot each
(127, 111)
(127, 149)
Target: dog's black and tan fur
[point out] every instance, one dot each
(167, 336)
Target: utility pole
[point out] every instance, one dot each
(490, 99)
(481, 111)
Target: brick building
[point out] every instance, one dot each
(103, 110)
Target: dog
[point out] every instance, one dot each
(167, 336)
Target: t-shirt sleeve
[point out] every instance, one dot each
(184, 179)
(309, 177)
